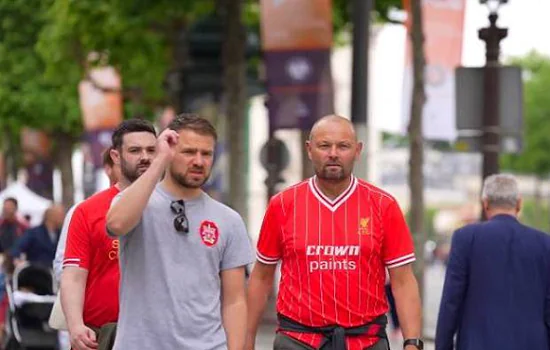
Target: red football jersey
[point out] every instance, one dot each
(334, 254)
(89, 247)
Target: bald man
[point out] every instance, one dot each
(39, 243)
(335, 236)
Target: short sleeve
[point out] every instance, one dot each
(238, 249)
(78, 249)
(398, 246)
(109, 233)
(61, 245)
(269, 249)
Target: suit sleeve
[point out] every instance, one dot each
(269, 250)
(454, 289)
(547, 299)
(22, 244)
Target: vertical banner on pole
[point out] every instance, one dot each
(297, 39)
(101, 105)
(36, 147)
(443, 23)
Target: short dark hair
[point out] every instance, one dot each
(193, 122)
(107, 160)
(129, 126)
(13, 200)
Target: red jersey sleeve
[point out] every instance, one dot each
(269, 244)
(398, 246)
(77, 252)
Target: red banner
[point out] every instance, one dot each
(296, 24)
(101, 99)
(443, 23)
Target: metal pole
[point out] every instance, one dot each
(492, 36)
(360, 69)
(271, 168)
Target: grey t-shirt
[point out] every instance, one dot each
(170, 287)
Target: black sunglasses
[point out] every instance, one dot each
(181, 224)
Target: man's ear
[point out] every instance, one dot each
(115, 156)
(519, 205)
(485, 205)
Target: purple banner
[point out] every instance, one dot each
(40, 178)
(299, 87)
(98, 141)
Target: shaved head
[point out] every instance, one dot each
(333, 148)
(328, 121)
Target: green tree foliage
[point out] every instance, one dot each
(28, 97)
(137, 37)
(535, 158)
(342, 10)
(536, 214)
(45, 48)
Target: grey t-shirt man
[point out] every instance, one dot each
(170, 287)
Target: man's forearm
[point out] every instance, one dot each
(409, 308)
(234, 323)
(257, 296)
(73, 288)
(125, 214)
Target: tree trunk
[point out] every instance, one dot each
(538, 210)
(416, 159)
(63, 161)
(234, 84)
(10, 151)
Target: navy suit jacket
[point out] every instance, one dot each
(37, 245)
(497, 288)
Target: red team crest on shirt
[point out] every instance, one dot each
(209, 233)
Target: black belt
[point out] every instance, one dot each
(334, 337)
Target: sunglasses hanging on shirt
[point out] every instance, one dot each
(181, 224)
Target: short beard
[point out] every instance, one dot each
(129, 173)
(325, 175)
(182, 181)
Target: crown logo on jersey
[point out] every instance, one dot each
(364, 226)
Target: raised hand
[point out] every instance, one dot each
(167, 143)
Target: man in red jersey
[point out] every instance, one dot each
(90, 278)
(335, 235)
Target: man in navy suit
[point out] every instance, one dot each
(497, 285)
(39, 243)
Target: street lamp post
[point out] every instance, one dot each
(492, 36)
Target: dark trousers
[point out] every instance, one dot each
(105, 336)
(284, 342)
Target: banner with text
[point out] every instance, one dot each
(443, 22)
(296, 40)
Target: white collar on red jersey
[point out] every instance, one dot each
(333, 204)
